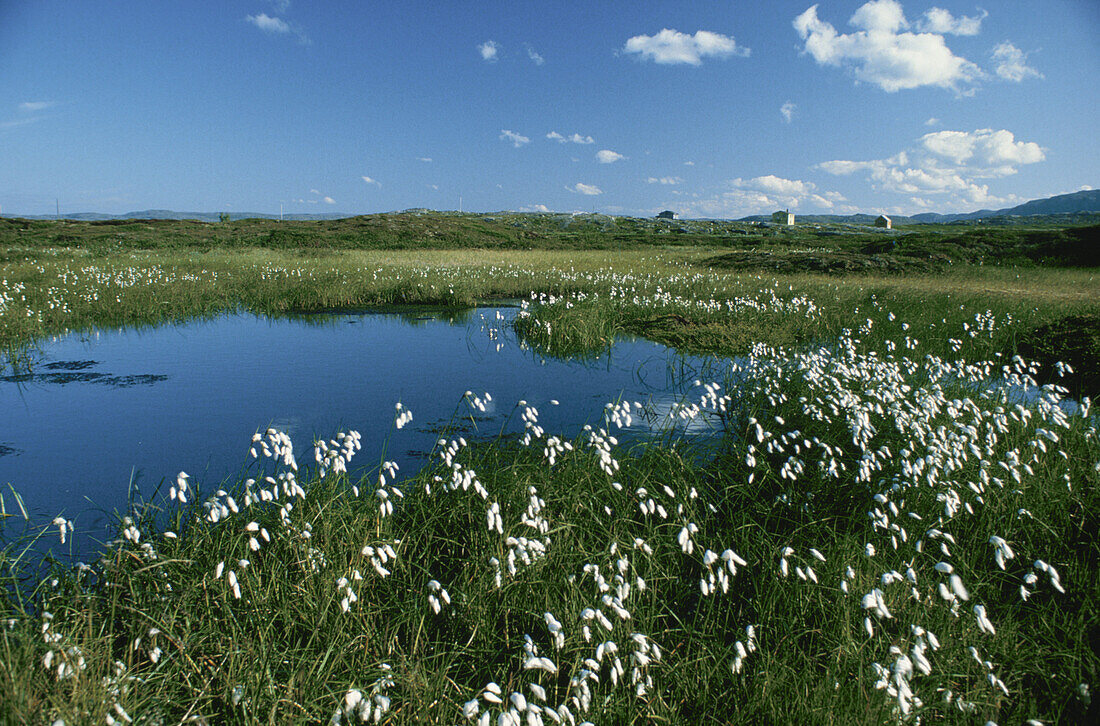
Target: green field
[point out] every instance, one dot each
(883, 532)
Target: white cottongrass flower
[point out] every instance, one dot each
(402, 416)
(540, 663)
(1002, 551)
(64, 526)
(179, 491)
(958, 588)
(492, 693)
(984, 624)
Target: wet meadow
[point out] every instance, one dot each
(895, 520)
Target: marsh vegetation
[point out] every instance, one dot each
(898, 523)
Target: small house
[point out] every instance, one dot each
(785, 217)
(883, 221)
(667, 214)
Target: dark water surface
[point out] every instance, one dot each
(97, 415)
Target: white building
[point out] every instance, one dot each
(784, 217)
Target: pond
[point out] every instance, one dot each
(102, 417)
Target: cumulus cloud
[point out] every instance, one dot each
(985, 151)
(588, 189)
(672, 47)
(574, 138)
(787, 111)
(666, 180)
(776, 185)
(277, 26)
(534, 56)
(882, 52)
(489, 50)
(34, 106)
(517, 140)
(607, 156)
(764, 194)
(269, 24)
(938, 20)
(318, 197)
(369, 180)
(1011, 63)
(932, 121)
(949, 163)
(535, 208)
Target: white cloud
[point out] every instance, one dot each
(949, 163)
(585, 189)
(932, 121)
(787, 111)
(18, 122)
(666, 180)
(368, 180)
(314, 191)
(829, 200)
(689, 163)
(277, 26)
(938, 20)
(985, 152)
(33, 106)
(880, 53)
(575, 138)
(535, 208)
(433, 186)
(281, 6)
(425, 159)
(1012, 63)
(534, 56)
(772, 184)
(489, 50)
(269, 24)
(517, 140)
(607, 156)
(673, 47)
(764, 194)
(329, 200)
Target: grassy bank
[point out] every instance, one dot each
(882, 532)
(877, 538)
(676, 297)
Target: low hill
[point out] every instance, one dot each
(809, 246)
(1066, 208)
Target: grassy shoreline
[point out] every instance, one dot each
(884, 532)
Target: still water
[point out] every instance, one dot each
(105, 416)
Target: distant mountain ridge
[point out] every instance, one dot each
(170, 214)
(1082, 202)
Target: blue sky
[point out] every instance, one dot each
(712, 109)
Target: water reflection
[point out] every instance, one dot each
(101, 417)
